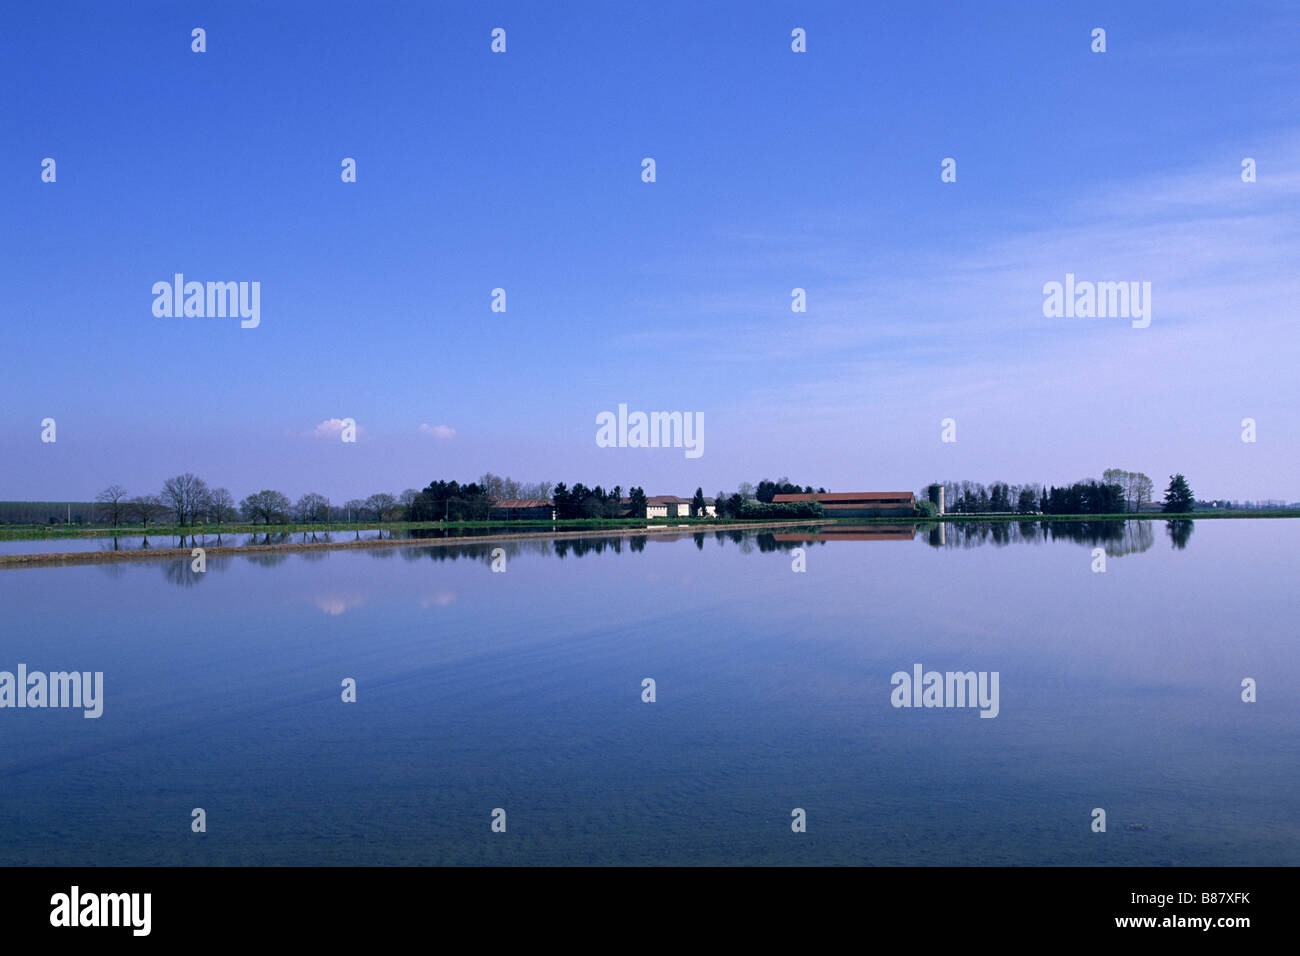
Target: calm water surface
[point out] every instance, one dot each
(522, 690)
(158, 542)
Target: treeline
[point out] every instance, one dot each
(449, 501)
(1118, 492)
(739, 504)
(47, 512)
(452, 501)
(1084, 498)
(972, 497)
(767, 490)
(507, 488)
(583, 502)
(1226, 504)
(187, 500)
(789, 509)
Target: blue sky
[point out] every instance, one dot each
(522, 170)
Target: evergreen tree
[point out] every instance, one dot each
(1178, 496)
(636, 499)
(697, 504)
(560, 496)
(1000, 498)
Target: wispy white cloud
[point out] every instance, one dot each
(956, 328)
(438, 431)
(332, 428)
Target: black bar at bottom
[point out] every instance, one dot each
(335, 906)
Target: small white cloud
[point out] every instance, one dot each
(330, 428)
(438, 431)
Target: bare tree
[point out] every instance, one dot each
(145, 508)
(312, 508)
(1118, 476)
(269, 507)
(382, 506)
(1143, 491)
(112, 501)
(493, 485)
(187, 496)
(536, 489)
(221, 506)
(407, 501)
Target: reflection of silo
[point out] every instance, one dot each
(941, 491)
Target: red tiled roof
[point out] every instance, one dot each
(524, 503)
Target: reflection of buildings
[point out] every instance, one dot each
(661, 536)
(859, 504)
(848, 532)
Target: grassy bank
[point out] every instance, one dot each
(44, 532)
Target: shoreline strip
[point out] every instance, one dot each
(65, 558)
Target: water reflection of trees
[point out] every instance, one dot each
(182, 574)
(481, 551)
(1117, 537)
(767, 542)
(1179, 531)
(543, 546)
(439, 533)
(581, 546)
(268, 559)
